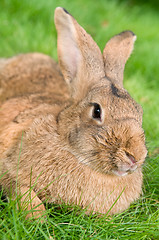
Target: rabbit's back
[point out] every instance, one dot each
(30, 85)
(31, 73)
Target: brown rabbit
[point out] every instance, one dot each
(76, 138)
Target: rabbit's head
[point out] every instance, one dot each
(102, 125)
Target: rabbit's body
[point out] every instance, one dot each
(86, 149)
(72, 182)
(30, 85)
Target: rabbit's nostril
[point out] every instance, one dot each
(132, 159)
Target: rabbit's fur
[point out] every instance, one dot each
(80, 140)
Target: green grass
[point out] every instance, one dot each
(27, 26)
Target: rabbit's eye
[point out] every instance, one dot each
(96, 111)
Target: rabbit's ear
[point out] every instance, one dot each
(80, 59)
(116, 53)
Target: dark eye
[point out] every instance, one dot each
(96, 111)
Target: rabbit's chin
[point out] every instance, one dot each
(119, 173)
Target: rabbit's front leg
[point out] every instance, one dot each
(30, 201)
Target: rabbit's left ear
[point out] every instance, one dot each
(116, 53)
(80, 58)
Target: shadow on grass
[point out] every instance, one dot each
(153, 4)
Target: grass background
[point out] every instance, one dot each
(27, 26)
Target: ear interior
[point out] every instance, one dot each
(68, 51)
(116, 53)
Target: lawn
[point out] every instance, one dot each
(27, 26)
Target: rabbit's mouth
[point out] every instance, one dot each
(123, 172)
(128, 167)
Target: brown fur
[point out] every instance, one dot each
(49, 139)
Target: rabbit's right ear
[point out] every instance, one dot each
(80, 58)
(116, 52)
